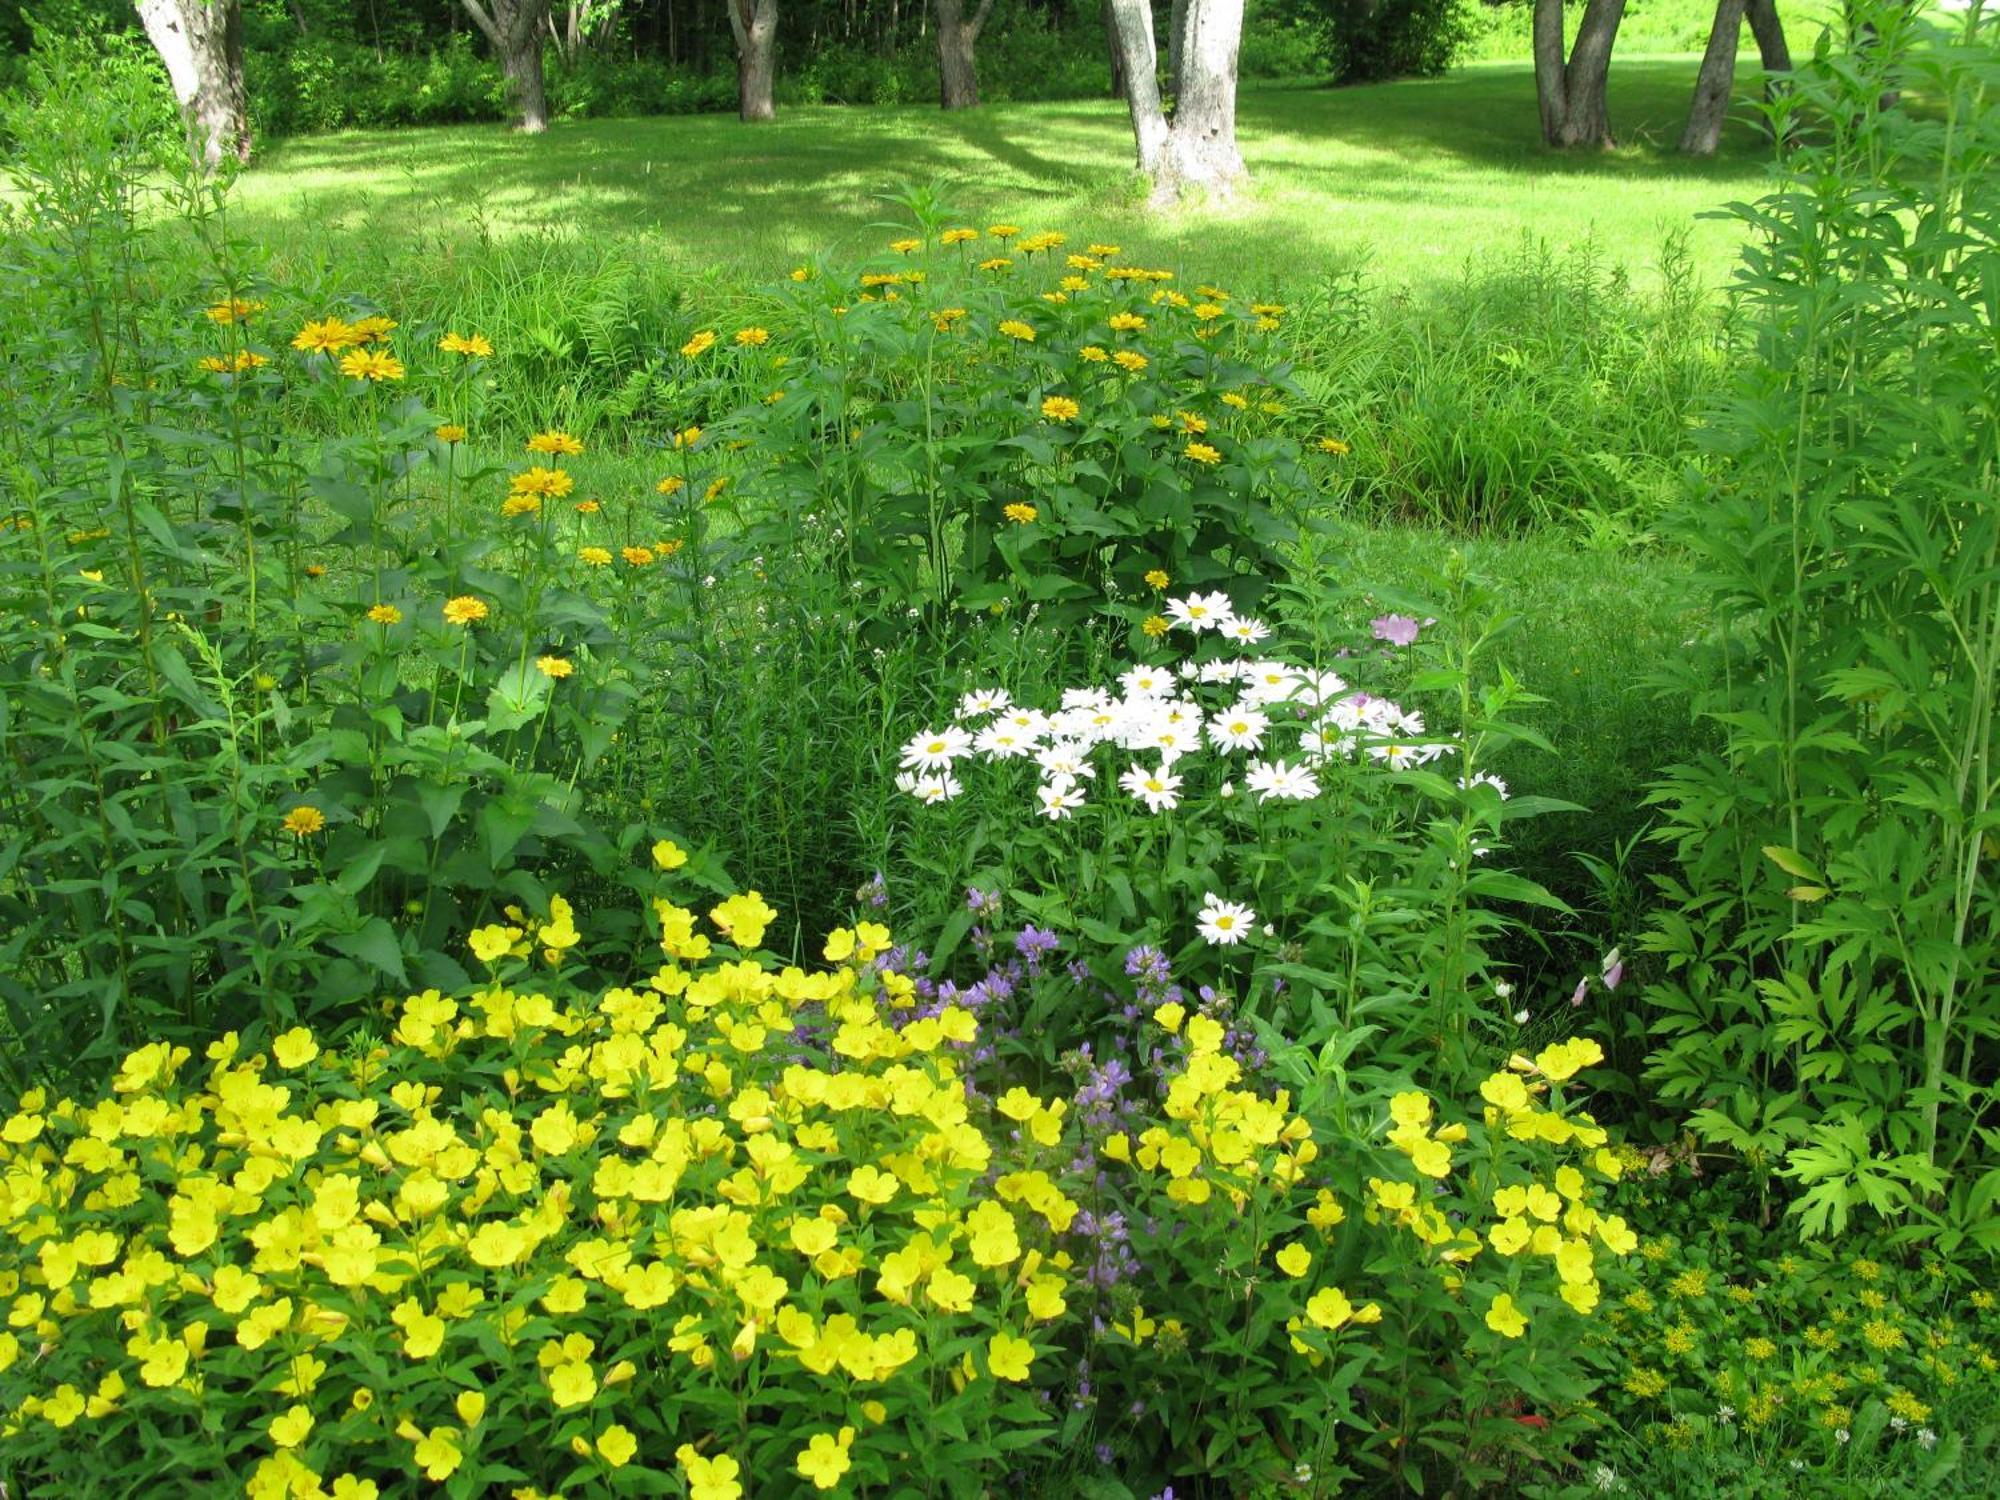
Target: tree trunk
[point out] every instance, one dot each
(1201, 152)
(201, 44)
(1586, 106)
(523, 70)
(1549, 90)
(1132, 33)
(1715, 83)
(1772, 51)
(1177, 20)
(958, 80)
(1111, 46)
(515, 29)
(754, 23)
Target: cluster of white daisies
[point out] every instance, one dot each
(1158, 718)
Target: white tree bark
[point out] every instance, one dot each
(201, 43)
(754, 24)
(1196, 151)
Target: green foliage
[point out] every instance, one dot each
(1832, 938)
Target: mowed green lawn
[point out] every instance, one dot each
(1409, 179)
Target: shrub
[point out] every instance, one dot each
(1832, 937)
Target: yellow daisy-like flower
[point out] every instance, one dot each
(586, 507)
(700, 344)
(234, 310)
(1013, 328)
(1060, 409)
(465, 609)
(673, 484)
(638, 557)
(1201, 453)
(385, 614)
(753, 338)
(451, 432)
(997, 263)
(371, 365)
(554, 666)
(304, 820)
(1127, 322)
(554, 442)
(374, 330)
(957, 236)
(550, 484)
(1003, 231)
(1130, 361)
(1156, 579)
(1334, 446)
(472, 346)
(906, 247)
(327, 336)
(1156, 626)
(1094, 353)
(1021, 515)
(596, 557)
(520, 505)
(1102, 252)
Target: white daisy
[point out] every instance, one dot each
(1146, 682)
(936, 748)
(1245, 630)
(983, 701)
(1199, 612)
(1065, 759)
(1002, 741)
(1237, 728)
(1225, 922)
(1158, 788)
(1274, 780)
(935, 787)
(1058, 798)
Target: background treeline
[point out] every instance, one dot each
(317, 65)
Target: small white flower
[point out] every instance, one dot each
(1274, 780)
(1247, 631)
(1927, 1437)
(1725, 1414)
(936, 748)
(1065, 758)
(1237, 729)
(929, 788)
(1002, 741)
(1899, 1424)
(1058, 798)
(1604, 1477)
(1159, 789)
(1520, 1018)
(1503, 989)
(1224, 922)
(983, 701)
(1844, 1435)
(1199, 612)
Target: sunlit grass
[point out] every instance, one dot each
(1412, 179)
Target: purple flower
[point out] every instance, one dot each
(1397, 630)
(1580, 993)
(978, 900)
(1614, 969)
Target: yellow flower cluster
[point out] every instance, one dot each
(529, 1212)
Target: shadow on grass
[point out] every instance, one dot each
(713, 191)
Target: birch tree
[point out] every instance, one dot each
(201, 44)
(1195, 150)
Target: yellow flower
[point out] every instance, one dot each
(471, 346)
(1156, 626)
(1201, 453)
(701, 343)
(1013, 328)
(572, 1383)
(824, 1459)
(668, 855)
(451, 432)
(1003, 231)
(743, 919)
(616, 1445)
(1060, 409)
(553, 666)
(870, 1184)
(234, 310)
(437, 1451)
(709, 1478)
(638, 557)
(304, 820)
(1127, 322)
(1020, 515)
(371, 365)
(470, 1406)
(328, 336)
(751, 338)
(295, 1048)
(1334, 446)
(957, 236)
(554, 442)
(385, 614)
(1295, 1260)
(1504, 1318)
(596, 557)
(1130, 362)
(1009, 1357)
(292, 1427)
